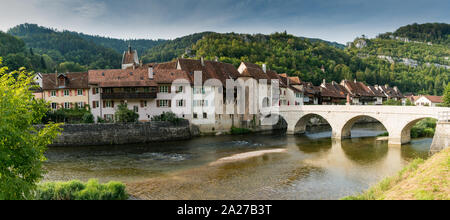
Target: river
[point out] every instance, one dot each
(311, 166)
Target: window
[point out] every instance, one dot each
(80, 104)
(79, 92)
(136, 109)
(164, 89)
(146, 89)
(53, 93)
(163, 103)
(66, 92)
(109, 104)
(107, 90)
(200, 103)
(109, 117)
(54, 106)
(67, 105)
(180, 103)
(199, 91)
(95, 104)
(95, 90)
(180, 89)
(195, 115)
(205, 115)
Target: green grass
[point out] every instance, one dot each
(76, 190)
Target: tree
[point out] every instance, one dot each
(22, 146)
(125, 115)
(447, 96)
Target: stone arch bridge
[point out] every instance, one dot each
(398, 120)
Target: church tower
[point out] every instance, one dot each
(130, 58)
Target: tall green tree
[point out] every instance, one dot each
(22, 146)
(447, 96)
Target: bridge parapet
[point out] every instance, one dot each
(444, 116)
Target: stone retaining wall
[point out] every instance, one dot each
(117, 134)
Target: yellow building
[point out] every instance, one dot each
(66, 90)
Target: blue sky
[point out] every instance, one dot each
(340, 20)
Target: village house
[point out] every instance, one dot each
(360, 94)
(428, 100)
(66, 90)
(333, 93)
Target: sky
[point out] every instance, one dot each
(332, 20)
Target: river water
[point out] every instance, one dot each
(312, 166)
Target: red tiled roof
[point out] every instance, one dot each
(434, 99)
(333, 90)
(73, 81)
(121, 78)
(129, 57)
(358, 89)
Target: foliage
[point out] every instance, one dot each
(66, 47)
(446, 97)
(88, 118)
(76, 190)
(125, 115)
(239, 131)
(429, 32)
(424, 128)
(21, 145)
(172, 49)
(167, 116)
(70, 116)
(392, 102)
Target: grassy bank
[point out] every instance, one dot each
(76, 190)
(420, 180)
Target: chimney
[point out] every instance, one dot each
(150, 73)
(202, 60)
(264, 67)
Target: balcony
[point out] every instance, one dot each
(150, 95)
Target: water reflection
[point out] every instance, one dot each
(364, 150)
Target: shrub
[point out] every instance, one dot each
(125, 115)
(88, 118)
(239, 131)
(76, 190)
(168, 116)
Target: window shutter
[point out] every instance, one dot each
(93, 104)
(104, 104)
(112, 104)
(49, 94)
(70, 92)
(57, 93)
(170, 102)
(84, 92)
(142, 104)
(157, 103)
(170, 89)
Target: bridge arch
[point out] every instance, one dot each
(301, 124)
(406, 130)
(346, 129)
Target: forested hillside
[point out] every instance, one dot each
(438, 33)
(16, 55)
(119, 45)
(416, 66)
(67, 51)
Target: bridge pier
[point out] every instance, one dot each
(441, 138)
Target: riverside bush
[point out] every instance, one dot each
(238, 131)
(76, 190)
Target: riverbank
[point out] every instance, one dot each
(421, 180)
